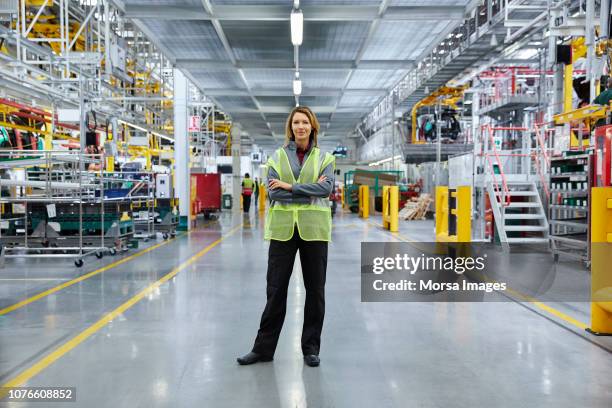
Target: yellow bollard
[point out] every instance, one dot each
(441, 213)
(460, 214)
(262, 197)
(391, 208)
(601, 258)
(364, 201)
(464, 214)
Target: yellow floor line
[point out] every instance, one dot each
(396, 234)
(56, 354)
(549, 309)
(64, 285)
(32, 279)
(524, 298)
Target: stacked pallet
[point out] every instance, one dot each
(416, 208)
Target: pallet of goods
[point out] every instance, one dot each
(416, 208)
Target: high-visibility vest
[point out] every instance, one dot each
(247, 186)
(313, 220)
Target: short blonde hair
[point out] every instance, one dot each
(314, 124)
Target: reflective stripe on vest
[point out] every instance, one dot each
(312, 220)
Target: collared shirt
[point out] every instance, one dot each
(301, 153)
(301, 193)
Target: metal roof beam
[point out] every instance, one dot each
(230, 53)
(161, 12)
(281, 12)
(285, 110)
(381, 10)
(289, 92)
(392, 65)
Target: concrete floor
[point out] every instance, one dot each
(177, 346)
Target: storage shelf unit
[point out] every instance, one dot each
(570, 200)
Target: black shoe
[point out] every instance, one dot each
(252, 358)
(312, 360)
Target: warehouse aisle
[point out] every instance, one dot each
(174, 345)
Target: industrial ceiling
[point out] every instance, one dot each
(239, 53)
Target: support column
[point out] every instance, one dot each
(526, 143)
(590, 43)
(438, 142)
(392, 113)
(558, 89)
(107, 41)
(236, 171)
(181, 149)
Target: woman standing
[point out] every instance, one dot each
(300, 180)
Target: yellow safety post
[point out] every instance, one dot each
(463, 211)
(441, 211)
(391, 208)
(262, 197)
(454, 214)
(601, 259)
(364, 201)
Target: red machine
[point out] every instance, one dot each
(206, 193)
(603, 156)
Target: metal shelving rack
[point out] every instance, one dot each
(569, 209)
(143, 206)
(49, 179)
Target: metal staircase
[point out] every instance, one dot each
(519, 214)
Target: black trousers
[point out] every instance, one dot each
(281, 256)
(246, 203)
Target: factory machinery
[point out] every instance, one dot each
(86, 124)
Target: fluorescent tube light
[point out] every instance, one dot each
(297, 87)
(297, 27)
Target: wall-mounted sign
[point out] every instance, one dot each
(167, 72)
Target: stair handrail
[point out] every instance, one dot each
(505, 199)
(542, 145)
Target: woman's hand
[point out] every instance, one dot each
(275, 183)
(322, 179)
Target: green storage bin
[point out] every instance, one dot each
(227, 201)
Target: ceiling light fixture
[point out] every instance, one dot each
(494, 42)
(297, 26)
(297, 85)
